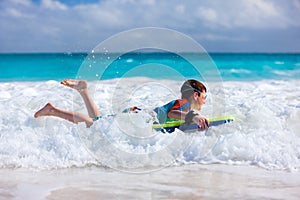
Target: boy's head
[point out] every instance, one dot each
(191, 86)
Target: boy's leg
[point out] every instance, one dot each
(81, 87)
(50, 110)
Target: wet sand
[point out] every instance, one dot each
(181, 182)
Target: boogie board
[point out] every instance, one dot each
(170, 127)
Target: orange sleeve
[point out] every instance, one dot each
(180, 104)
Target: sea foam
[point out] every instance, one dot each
(265, 133)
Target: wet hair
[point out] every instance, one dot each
(190, 86)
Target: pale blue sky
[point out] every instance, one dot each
(218, 25)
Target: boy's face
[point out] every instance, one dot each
(201, 99)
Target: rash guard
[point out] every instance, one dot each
(179, 104)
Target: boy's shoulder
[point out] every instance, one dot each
(181, 104)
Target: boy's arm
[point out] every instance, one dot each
(177, 114)
(202, 122)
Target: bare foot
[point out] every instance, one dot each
(78, 85)
(89, 124)
(45, 111)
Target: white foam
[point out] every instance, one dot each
(265, 134)
(240, 71)
(279, 62)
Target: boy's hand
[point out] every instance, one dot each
(202, 122)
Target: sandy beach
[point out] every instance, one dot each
(179, 182)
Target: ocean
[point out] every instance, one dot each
(258, 154)
(232, 66)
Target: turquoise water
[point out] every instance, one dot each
(232, 66)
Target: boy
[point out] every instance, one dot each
(193, 97)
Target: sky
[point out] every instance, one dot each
(217, 25)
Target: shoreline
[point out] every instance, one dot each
(215, 181)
